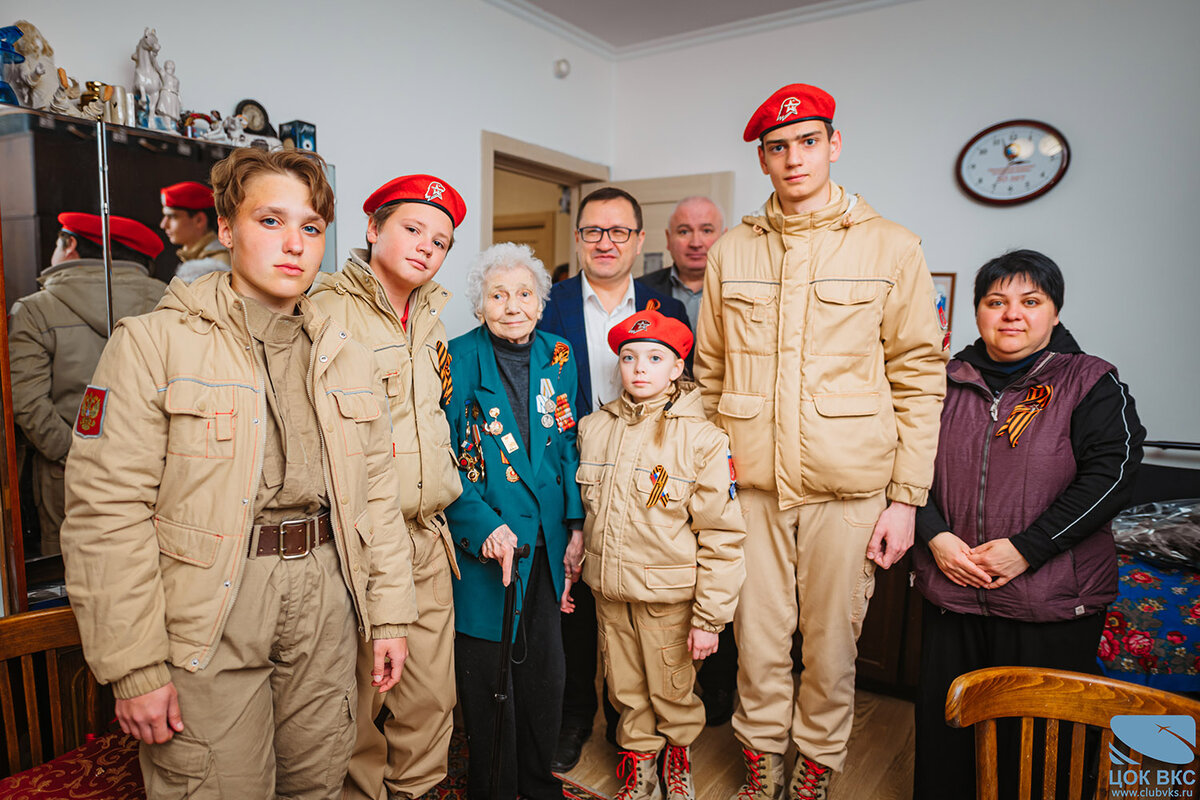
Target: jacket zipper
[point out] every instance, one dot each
(260, 384)
(987, 441)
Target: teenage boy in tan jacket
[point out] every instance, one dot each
(231, 514)
(387, 298)
(820, 353)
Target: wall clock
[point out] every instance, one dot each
(1012, 162)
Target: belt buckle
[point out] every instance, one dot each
(306, 528)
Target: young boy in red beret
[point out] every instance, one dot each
(189, 219)
(386, 297)
(231, 519)
(662, 550)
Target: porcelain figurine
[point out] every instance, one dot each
(147, 78)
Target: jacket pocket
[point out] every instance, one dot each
(188, 544)
(590, 478)
(846, 316)
(740, 406)
(862, 404)
(391, 370)
(355, 409)
(203, 419)
(752, 311)
(679, 576)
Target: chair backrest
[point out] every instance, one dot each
(43, 676)
(981, 697)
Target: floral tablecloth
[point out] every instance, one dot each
(1152, 633)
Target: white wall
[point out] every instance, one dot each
(407, 86)
(914, 81)
(394, 87)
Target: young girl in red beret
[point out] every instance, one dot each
(662, 550)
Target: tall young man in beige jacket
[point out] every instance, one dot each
(820, 353)
(387, 298)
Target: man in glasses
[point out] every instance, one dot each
(582, 309)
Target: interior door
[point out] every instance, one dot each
(658, 197)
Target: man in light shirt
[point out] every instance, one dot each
(582, 309)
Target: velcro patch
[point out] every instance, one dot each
(90, 422)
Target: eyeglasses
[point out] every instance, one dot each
(617, 234)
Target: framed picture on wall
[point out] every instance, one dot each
(943, 284)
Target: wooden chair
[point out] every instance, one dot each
(43, 678)
(980, 697)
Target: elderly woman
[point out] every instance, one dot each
(511, 413)
(1039, 443)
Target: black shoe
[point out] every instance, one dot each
(718, 707)
(570, 746)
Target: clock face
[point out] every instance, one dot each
(256, 117)
(1013, 162)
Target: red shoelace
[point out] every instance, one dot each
(813, 772)
(627, 771)
(677, 768)
(754, 777)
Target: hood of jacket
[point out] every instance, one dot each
(687, 406)
(79, 285)
(207, 298)
(356, 278)
(842, 211)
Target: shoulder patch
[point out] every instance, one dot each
(89, 424)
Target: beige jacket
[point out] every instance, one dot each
(202, 257)
(55, 337)
(819, 351)
(410, 364)
(685, 547)
(160, 502)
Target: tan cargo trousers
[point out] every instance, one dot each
(409, 756)
(806, 570)
(651, 676)
(272, 713)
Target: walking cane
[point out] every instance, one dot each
(501, 696)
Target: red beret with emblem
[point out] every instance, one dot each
(651, 326)
(128, 232)
(419, 189)
(189, 195)
(793, 103)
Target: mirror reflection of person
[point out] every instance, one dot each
(190, 222)
(56, 335)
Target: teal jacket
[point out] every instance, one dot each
(544, 493)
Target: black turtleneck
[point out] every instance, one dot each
(513, 361)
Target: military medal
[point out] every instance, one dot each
(545, 403)
(561, 352)
(473, 475)
(658, 492)
(547, 420)
(511, 474)
(494, 427)
(562, 413)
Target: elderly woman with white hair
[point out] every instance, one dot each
(512, 416)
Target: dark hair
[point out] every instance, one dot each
(610, 193)
(210, 214)
(829, 129)
(561, 273)
(1039, 269)
(86, 248)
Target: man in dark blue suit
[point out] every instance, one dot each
(582, 309)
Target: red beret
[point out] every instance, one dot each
(793, 103)
(123, 230)
(419, 189)
(651, 326)
(189, 194)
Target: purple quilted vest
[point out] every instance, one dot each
(988, 489)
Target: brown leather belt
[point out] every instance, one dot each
(294, 538)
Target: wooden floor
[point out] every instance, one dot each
(879, 765)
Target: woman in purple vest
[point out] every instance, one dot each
(1039, 442)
